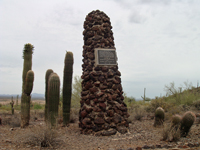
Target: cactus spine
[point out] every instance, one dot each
(67, 86)
(53, 98)
(27, 76)
(48, 73)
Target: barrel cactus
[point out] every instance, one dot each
(27, 84)
(187, 121)
(48, 73)
(26, 98)
(67, 86)
(176, 120)
(159, 116)
(53, 98)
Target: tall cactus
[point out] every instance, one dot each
(53, 98)
(48, 73)
(67, 86)
(25, 98)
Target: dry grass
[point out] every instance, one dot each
(40, 136)
(171, 134)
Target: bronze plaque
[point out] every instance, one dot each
(105, 56)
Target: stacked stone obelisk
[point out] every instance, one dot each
(102, 111)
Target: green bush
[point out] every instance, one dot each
(37, 106)
(196, 104)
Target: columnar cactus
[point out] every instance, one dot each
(67, 86)
(186, 122)
(12, 105)
(48, 73)
(159, 116)
(26, 91)
(26, 98)
(53, 98)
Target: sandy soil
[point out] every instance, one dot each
(141, 134)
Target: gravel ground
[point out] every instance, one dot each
(141, 135)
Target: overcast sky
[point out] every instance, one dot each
(157, 41)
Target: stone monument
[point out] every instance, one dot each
(102, 111)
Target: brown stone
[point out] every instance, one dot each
(95, 27)
(95, 100)
(113, 125)
(102, 87)
(86, 121)
(97, 83)
(91, 96)
(100, 114)
(104, 69)
(110, 113)
(118, 73)
(110, 74)
(114, 96)
(99, 120)
(97, 68)
(87, 102)
(101, 79)
(84, 98)
(121, 129)
(88, 109)
(117, 118)
(91, 56)
(109, 97)
(108, 119)
(102, 106)
(83, 114)
(96, 109)
(114, 86)
(122, 108)
(99, 94)
(84, 93)
(93, 90)
(88, 85)
(109, 132)
(115, 81)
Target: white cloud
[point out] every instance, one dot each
(157, 42)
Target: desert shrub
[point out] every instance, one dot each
(155, 103)
(39, 136)
(37, 106)
(11, 120)
(196, 104)
(74, 114)
(136, 112)
(171, 133)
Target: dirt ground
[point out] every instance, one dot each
(142, 135)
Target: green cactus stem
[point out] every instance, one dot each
(67, 87)
(53, 98)
(48, 73)
(159, 116)
(187, 121)
(27, 56)
(26, 91)
(26, 98)
(17, 100)
(12, 105)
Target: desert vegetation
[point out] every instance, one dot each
(178, 108)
